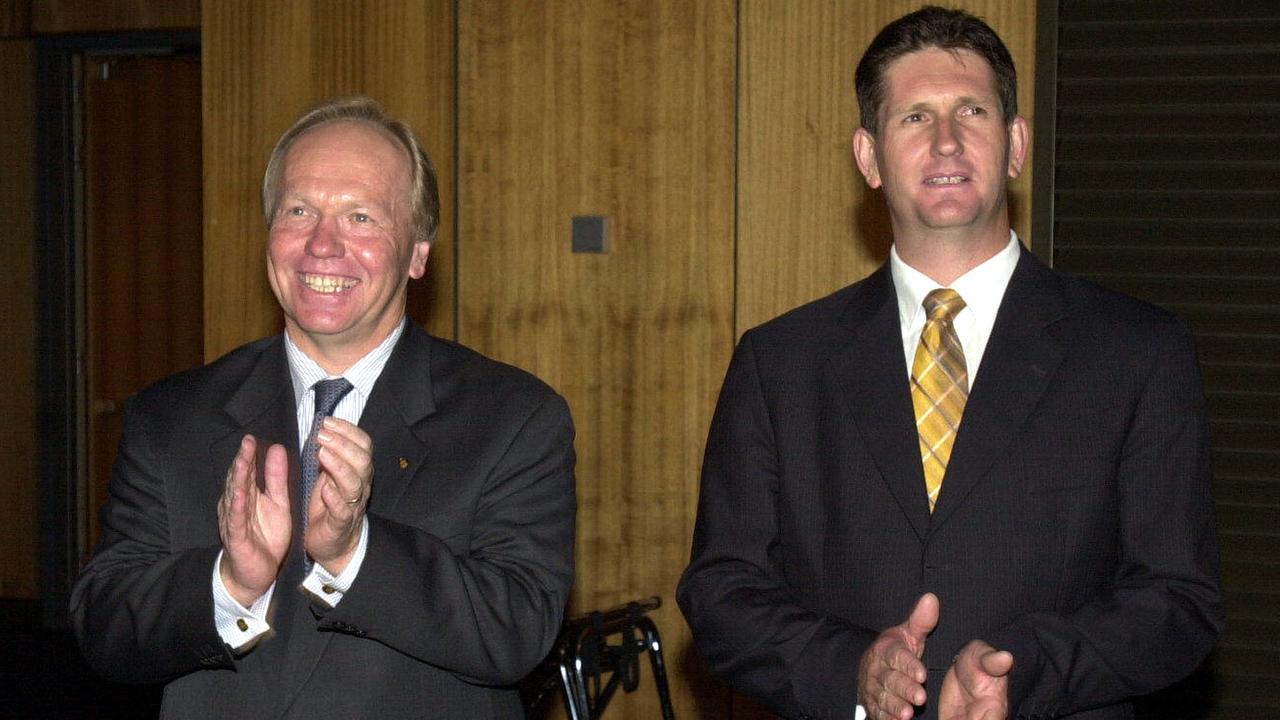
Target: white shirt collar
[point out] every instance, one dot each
(306, 372)
(982, 287)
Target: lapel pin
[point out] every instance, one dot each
(404, 463)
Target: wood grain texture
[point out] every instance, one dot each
(19, 484)
(142, 224)
(624, 110)
(263, 70)
(78, 16)
(15, 18)
(807, 223)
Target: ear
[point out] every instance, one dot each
(418, 263)
(864, 152)
(1019, 140)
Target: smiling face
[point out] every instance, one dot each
(943, 154)
(341, 252)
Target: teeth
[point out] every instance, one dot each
(946, 180)
(327, 283)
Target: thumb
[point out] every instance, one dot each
(923, 618)
(996, 663)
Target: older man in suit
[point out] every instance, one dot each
(352, 518)
(1011, 459)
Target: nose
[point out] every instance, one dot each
(325, 241)
(946, 138)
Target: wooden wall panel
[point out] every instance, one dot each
(142, 189)
(78, 16)
(262, 70)
(624, 110)
(15, 18)
(807, 223)
(19, 576)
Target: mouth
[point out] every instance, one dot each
(946, 180)
(328, 284)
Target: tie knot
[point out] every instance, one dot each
(943, 304)
(328, 393)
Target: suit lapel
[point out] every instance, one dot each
(400, 399)
(1020, 358)
(871, 373)
(263, 406)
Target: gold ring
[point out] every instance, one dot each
(354, 501)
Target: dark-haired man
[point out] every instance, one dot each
(967, 486)
(350, 519)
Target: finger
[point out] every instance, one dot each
(232, 513)
(351, 474)
(275, 470)
(896, 706)
(338, 505)
(240, 464)
(235, 495)
(349, 431)
(905, 660)
(349, 448)
(904, 687)
(343, 446)
(347, 477)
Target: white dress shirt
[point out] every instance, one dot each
(240, 626)
(982, 289)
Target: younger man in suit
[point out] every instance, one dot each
(353, 518)
(1045, 525)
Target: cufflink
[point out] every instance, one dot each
(240, 623)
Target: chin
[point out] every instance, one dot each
(320, 325)
(947, 218)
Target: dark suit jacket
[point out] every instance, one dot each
(1075, 525)
(470, 557)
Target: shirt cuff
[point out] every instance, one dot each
(860, 714)
(329, 589)
(237, 625)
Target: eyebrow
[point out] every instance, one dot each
(962, 100)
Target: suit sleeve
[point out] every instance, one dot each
(1163, 611)
(141, 612)
(746, 621)
(491, 613)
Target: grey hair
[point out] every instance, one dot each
(425, 194)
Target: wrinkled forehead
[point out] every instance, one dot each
(352, 142)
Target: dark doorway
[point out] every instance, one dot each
(120, 270)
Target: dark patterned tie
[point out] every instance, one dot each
(328, 393)
(939, 387)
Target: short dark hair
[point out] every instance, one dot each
(931, 27)
(425, 192)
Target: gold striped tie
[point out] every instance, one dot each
(939, 386)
